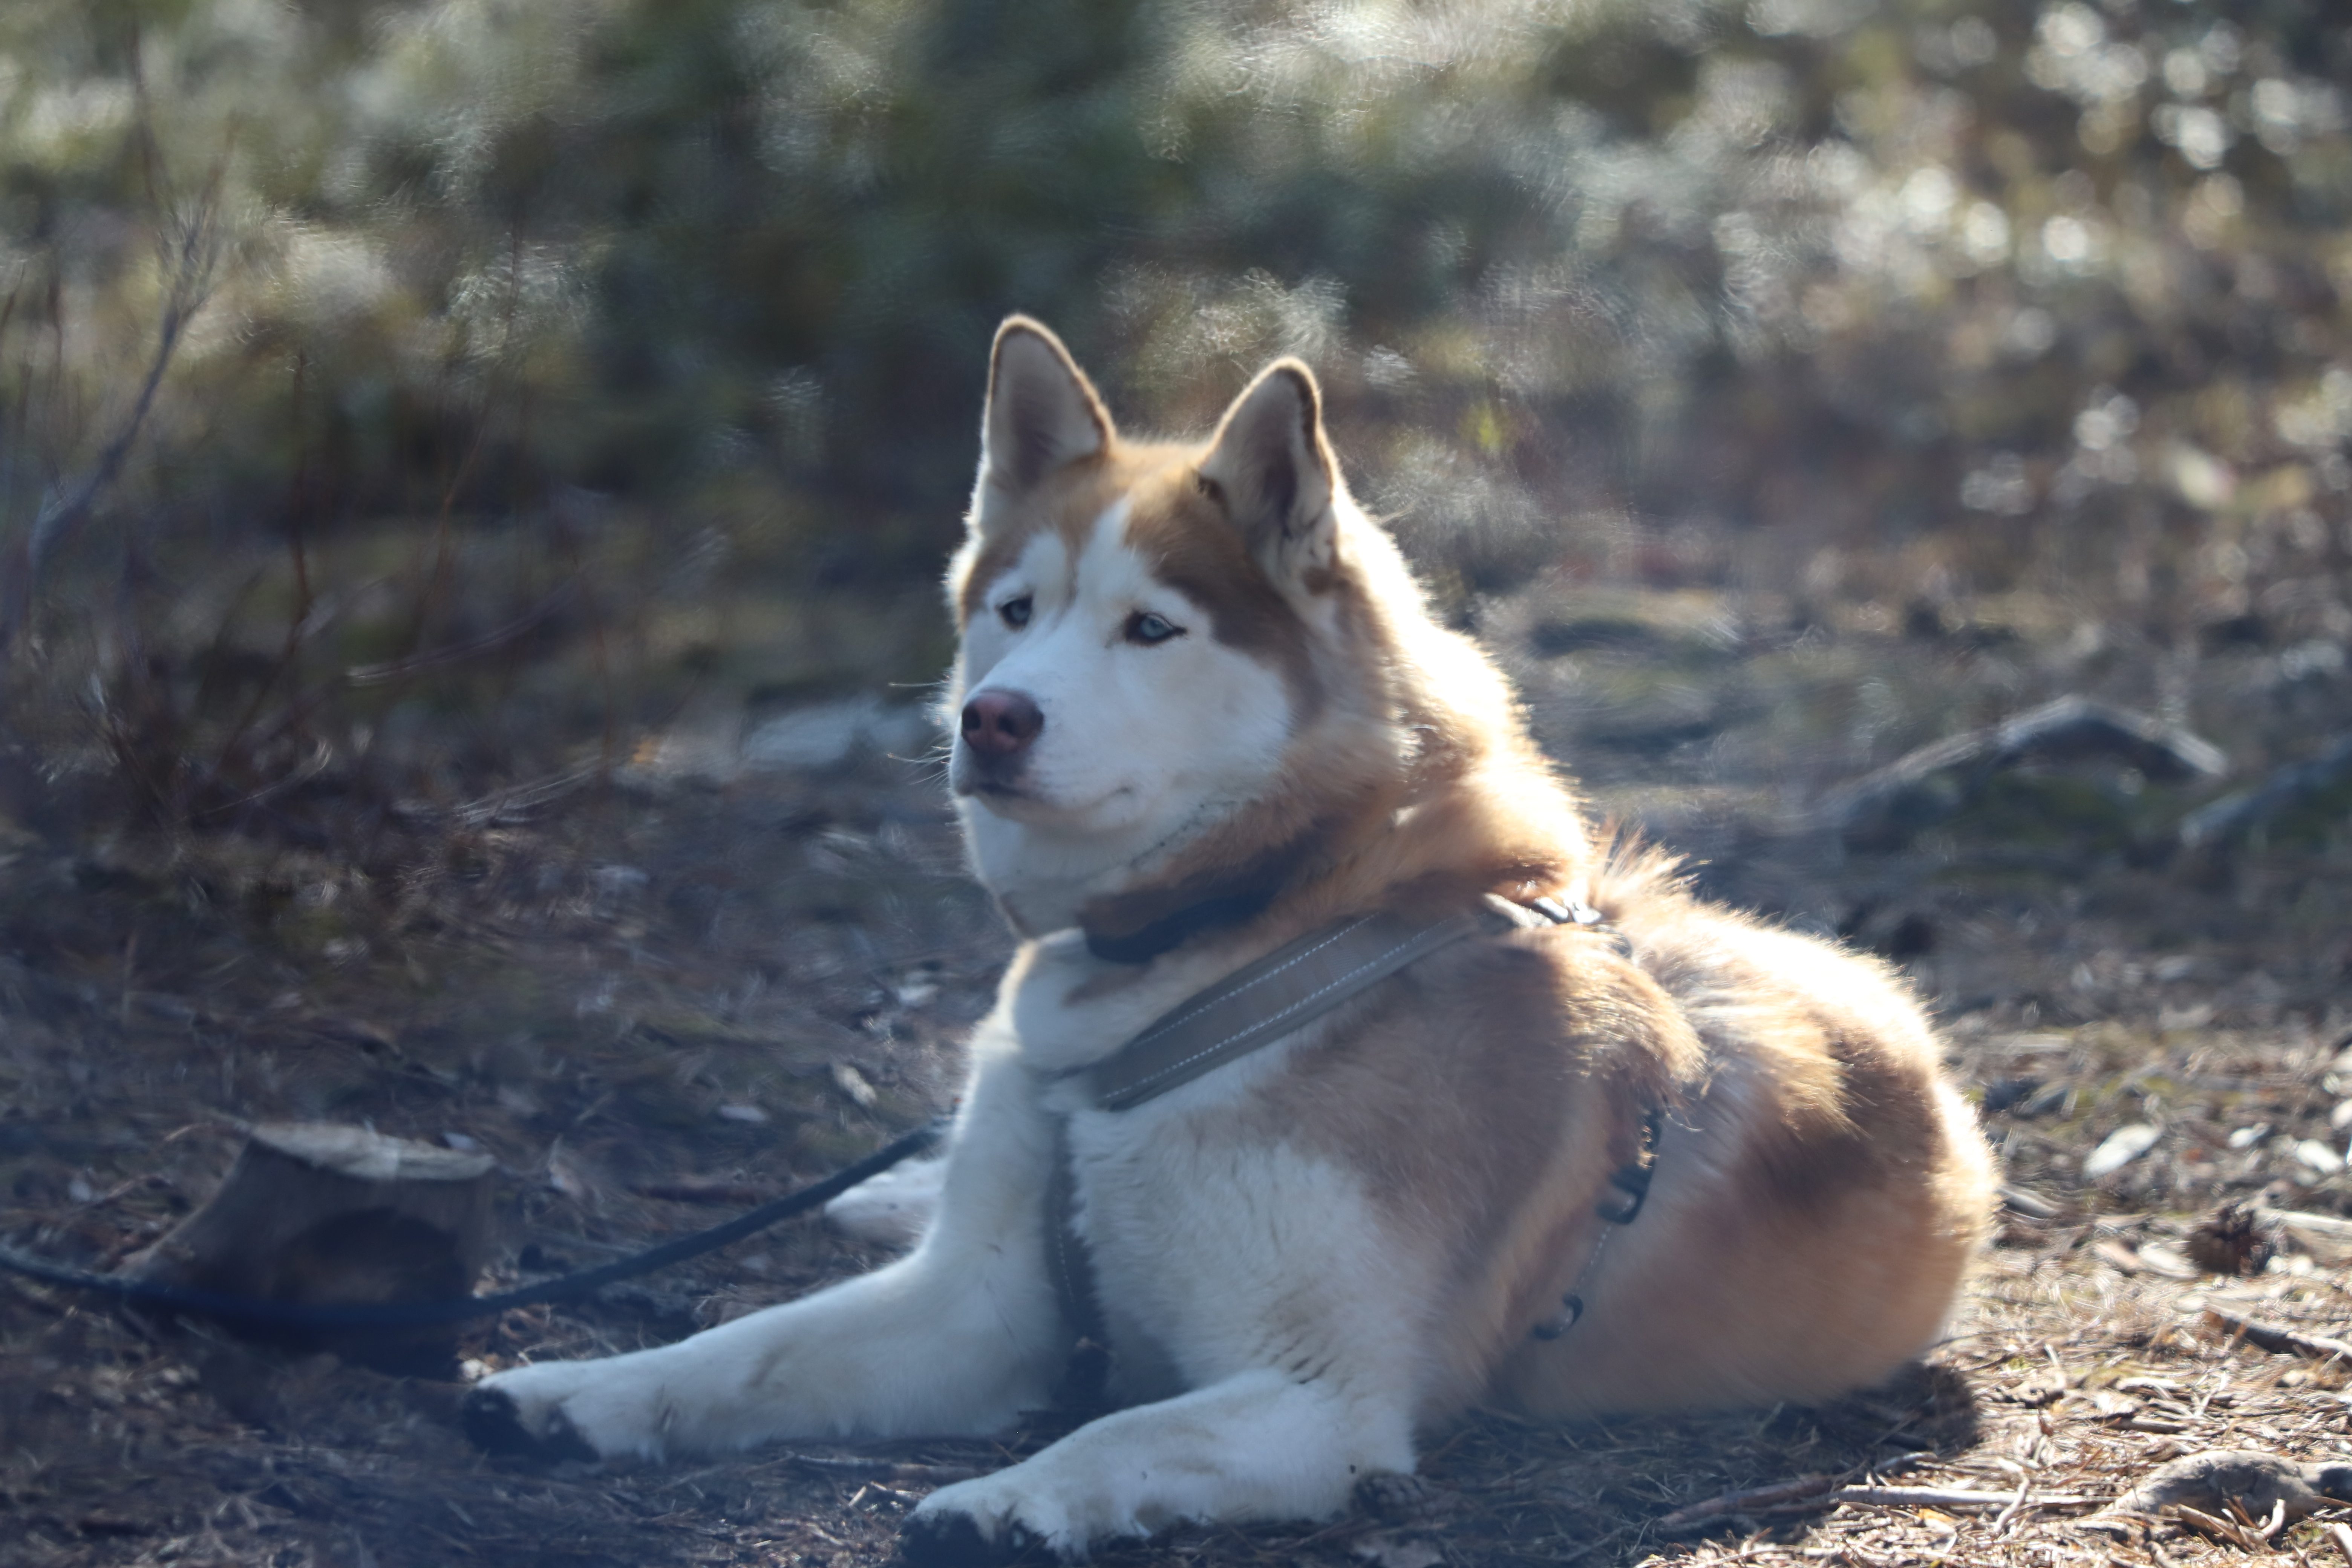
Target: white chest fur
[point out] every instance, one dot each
(1070, 1009)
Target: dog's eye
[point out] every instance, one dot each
(1147, 627)
(1014, 612)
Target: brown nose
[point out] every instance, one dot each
(999, 724)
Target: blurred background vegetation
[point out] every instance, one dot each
(474, 476)
(406, 399)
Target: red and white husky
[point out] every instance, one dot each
(1204, 711)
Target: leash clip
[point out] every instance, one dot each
(1570, 911)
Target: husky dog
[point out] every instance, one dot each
(1202, 714)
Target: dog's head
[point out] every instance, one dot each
(1180, 662)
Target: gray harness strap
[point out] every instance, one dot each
(1255, 1005)
(1266, 1000)
(1251, 1007)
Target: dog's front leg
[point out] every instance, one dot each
(1262, 1445)
(958, 1337)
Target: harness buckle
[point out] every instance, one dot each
(1566, 912)
(1624, 1206)
(1632, 1180)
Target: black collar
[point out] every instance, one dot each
(1147, 942)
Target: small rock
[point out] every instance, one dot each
(2121, 1147)
(2254, 1480)
(2321, 1157)
(2110, 1406)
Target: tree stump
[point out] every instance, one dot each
(312, 1211)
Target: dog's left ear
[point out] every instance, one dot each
(1271, 468)
(1041, 413)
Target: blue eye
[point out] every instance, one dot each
(1014, 612)
(1148, 628)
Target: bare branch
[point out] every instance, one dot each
(189, 247)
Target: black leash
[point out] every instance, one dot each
(259, 1313)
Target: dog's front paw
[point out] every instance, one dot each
(986, 1522)
(494, 1423)
(567, 1410)
(946, 1540)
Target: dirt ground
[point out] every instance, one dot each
(660, 990)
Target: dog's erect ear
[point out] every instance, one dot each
(1042, 411)
(1271, 468)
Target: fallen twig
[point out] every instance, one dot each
(2218, 1528)
(2341, 1534)
(1949, 1496)
(2024, 1487)
(1694, 1514)
(1820, 1491)
(882, 1470)
(2274, 1337)
(2070, 727)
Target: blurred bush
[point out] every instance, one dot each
(1919, 299)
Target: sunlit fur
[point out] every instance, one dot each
(1311, 1256)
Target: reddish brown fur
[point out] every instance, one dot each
(1819, 1191)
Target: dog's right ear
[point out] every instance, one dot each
(1041, 413)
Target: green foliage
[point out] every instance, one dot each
(1914, 299)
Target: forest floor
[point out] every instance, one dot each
(660, 990)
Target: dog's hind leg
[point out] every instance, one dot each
(958, 1337)
(894, 1208)
(1263, 1445)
